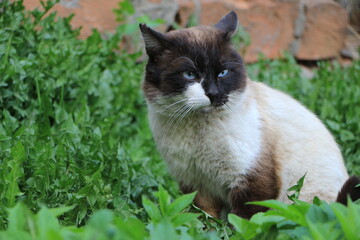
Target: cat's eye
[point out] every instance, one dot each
(189, 75)
(223, 73)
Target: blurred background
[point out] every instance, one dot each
(308, 29)
(73, 122)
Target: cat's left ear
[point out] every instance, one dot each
(154, 41)
(228, 23)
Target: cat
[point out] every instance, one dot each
(231, 139)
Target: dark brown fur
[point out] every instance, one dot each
(205, 202)
(350, 190)
(207, 51)
(203, 50)
(262, 183)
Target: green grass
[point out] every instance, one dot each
(74, 139)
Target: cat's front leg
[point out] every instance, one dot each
(205, 202)
(240, 195)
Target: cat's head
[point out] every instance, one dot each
(195, 67)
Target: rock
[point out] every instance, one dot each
(352, 44)
(353, 9)
(324, 31)
(269, 23)
(310, 29)
(157, 9)
(89, 14)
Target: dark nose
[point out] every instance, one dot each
(213, 94)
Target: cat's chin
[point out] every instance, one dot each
(211, 109)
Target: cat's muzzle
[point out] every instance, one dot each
(218, 102)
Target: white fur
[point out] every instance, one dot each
(305, 146)
(206, 145)
(196, 97)
(211, 148)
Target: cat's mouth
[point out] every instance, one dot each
(219, 102)
(213, 107)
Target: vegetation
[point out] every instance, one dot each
(74, 139)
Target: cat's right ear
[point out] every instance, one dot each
(154, 41)
(228, 23)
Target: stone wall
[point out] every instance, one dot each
(309, 29)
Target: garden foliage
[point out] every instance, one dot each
(74, 139)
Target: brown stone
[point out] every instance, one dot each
(89, 14)
(354, 13)
(269, 23)
(324, 32)
(310, 29)
(271, 28)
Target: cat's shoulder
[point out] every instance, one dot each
(273, 98)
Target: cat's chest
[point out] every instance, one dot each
(208, 152)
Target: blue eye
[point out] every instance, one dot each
(223, 73)
(189, 75)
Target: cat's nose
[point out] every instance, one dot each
(213, 95)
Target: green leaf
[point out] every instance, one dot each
(333, 125)
(97, 133)
(346, 135)
(274, 204)
(20, 219)
(15, 235)
(47, 225)
(11, 179)
(56, 212)
(341, 214)
(101, 220)
(131, 228)
(296, 188)
(151, 209)
(180, 204)
(163, 231)
(316, 201)
(247, 230)
(292, 212)
(266, 221)
(18, 152)
(323, 231)
(184, 218)
(164, 200)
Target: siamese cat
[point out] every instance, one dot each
(232, 139)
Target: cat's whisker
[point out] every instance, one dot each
(231, 106)
(169, 106)
(173, 117)
(224, 149)
(179, 118)
(183, 115)
(196, 102)
(184, 112)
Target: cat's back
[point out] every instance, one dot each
(302, 144)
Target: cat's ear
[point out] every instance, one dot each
(154, 41)
(228, 23)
